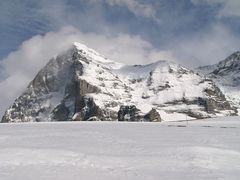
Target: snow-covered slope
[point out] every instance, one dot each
(226, 75)
(82, 84)
(200, 150)
(171, 89)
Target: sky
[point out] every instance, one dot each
(189, 32)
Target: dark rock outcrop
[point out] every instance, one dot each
(131, 113)
(39, 97)
(89, 111)
(152, 116)
(128, 113)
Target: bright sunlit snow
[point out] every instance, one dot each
(197, 150)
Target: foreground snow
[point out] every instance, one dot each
(207, 149)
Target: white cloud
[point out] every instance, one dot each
(228, 7)
(206, 48)
(21, 66)
(231, 8)
(137, 7)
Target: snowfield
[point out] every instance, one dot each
(197, 150)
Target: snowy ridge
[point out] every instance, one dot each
(91, 54)
(226, 74)
(147, 87)
(82, 84)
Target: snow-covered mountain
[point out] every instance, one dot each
(226, 74)
(81, 84)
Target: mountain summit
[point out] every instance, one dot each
(81, 84)
(229, 65)
(226, 74)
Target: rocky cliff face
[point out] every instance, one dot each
(83, 85)
(226, 74)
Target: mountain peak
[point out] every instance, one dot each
(91, 54)
(226, 74)
(230, 64)
(236, 53)
(233, 57)
(83, 47)
(82, 84)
